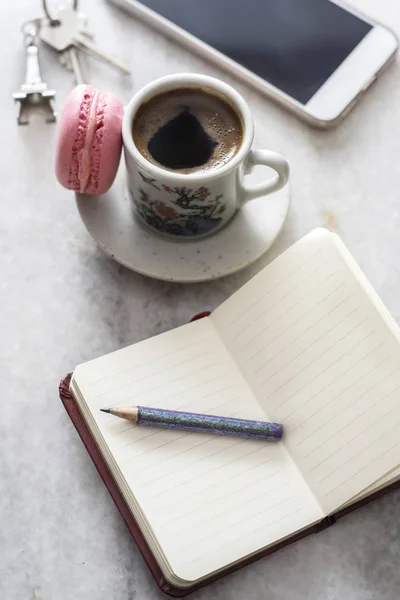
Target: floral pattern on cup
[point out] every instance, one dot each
(188, 212)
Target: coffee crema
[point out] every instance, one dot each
(187, 130)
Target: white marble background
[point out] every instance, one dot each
(63, 301)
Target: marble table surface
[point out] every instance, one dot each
(63, 302)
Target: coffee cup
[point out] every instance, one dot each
(187, 142)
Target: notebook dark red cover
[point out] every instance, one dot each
(100, 464)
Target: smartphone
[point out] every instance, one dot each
(314, 57)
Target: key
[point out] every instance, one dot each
(69, 33)
(33, 89)
(72, 59)
(76, 65)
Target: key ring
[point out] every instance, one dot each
(55, 22)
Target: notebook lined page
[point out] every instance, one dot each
(209, 500)
(321, 360)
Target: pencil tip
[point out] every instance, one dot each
(107, 410)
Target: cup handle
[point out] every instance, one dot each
(269, 159)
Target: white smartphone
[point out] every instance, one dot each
(315, 57)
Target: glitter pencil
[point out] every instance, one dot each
(159, 417)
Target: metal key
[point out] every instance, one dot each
(71, 58)
(76, 65)
(69, 34)
(33, 89)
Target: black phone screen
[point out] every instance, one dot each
(293, 44)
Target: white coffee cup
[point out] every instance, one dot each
(191, 205)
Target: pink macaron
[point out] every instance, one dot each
(89, 140)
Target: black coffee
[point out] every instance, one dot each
(187, 130)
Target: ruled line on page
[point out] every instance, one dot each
(296, 269)
(301, 335)
(245, 486)
(321, 425)
(259, 528)
(252, 516)
(234, 460)
(143, 364)
(176, 365)
(191, 388)
(237, 474)
(324, 369)
(161, 385)
(361, 450)
(338, 395)
(198, 460)
(280, 334)
(314, 467)
(319, 392)
(368, 466)
(271, 306)
(319, 355)
(146, 437)
(195, 446)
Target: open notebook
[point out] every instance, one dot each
(306, 342)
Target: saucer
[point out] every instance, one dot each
(123, 236)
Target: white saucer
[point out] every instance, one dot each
(110, 220)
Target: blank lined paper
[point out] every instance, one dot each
(320, 359)
(206, 499)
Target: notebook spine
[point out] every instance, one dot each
(325, 523)
(200, 315)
